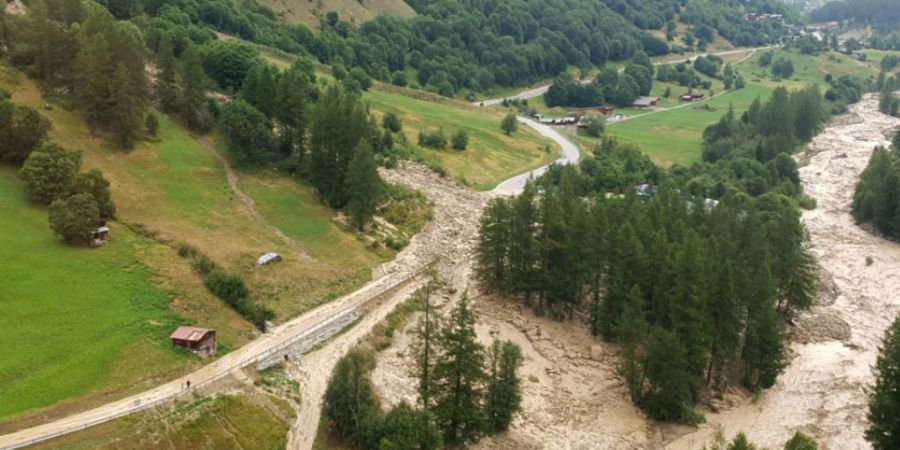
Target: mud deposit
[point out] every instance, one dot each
(822, 390)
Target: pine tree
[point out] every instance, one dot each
(126, 108)
(93, 87)
(427, 334)
(458, 376)
(166, 82)
(339, 123)
(295, 93)
(363, 186)
(193, 104)
(668, 394)
(504, 391)
(631, 332)
(494, 245)
(884, 398)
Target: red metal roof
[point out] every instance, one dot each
(189, 333)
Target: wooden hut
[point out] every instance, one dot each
(201, 341)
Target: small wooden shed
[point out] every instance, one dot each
(201, 341)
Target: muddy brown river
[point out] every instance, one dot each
(822, 391)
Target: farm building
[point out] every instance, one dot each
(692, 97)
(201, 341)
(605, 110)
(646, 102)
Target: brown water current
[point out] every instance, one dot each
(822, 391)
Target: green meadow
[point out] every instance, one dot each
(491, 156)
(75, 321)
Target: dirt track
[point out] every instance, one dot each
(822, 390)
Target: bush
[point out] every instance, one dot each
(50, 172)
(228, 287)
(435, 139)
(93, 183)
(399, 79)
(391, 122)
(460, 140)
(74, 218)
(152, 124)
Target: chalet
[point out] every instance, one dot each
(646, 102)
(201, 341)
(692, 97)
(605, 110)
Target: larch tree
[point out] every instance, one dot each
(504, 388)
(363, 186)
(884, 397)
(458, 375)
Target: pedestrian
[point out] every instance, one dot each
(188, 384)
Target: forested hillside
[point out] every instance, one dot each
(691, 270)
(474, 45)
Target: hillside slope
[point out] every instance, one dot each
(309, 12)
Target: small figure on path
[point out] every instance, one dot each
(188, 384)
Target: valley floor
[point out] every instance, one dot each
(822, 391)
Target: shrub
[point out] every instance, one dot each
(152, 124)
(21, 131)
(391, 122)
(228, 287)
(460, 140)
(435, 139)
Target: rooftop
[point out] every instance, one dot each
(189, 333)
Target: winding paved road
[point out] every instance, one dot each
(570, 155)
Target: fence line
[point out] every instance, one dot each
(254, 359)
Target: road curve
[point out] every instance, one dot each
(570, 155)
(541, 90)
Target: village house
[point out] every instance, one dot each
(201, 341)
(646, 102)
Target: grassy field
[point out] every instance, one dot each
(175, 188)
(246, 421)
(76, 321)
(114, 307)
(491, 156)
(674, 137)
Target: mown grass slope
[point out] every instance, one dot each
(491, 156)
(176, 189)
(75, 320)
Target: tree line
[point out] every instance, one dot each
(876, 198)
(465, 391)
(455, 45)
(620, 88)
